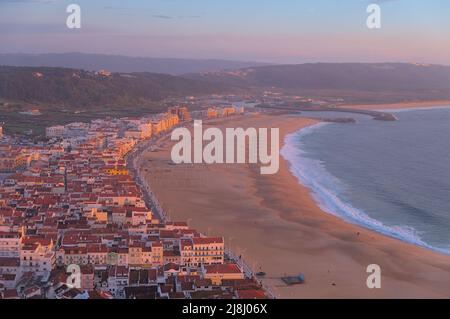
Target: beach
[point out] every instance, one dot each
(400, 105)
(274, 223)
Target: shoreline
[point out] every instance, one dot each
(341, 208)
(281, 215)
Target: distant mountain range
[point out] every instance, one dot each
(338, 76)
(379, 82)
(117, 63)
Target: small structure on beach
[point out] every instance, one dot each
(293, 280)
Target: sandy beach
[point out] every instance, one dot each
(403, 105)
(275, 224)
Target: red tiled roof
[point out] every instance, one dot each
(207, 240)
(222, 269)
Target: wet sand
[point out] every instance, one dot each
(275, 224)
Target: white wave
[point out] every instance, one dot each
(327, 189)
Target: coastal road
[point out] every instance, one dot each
(132, 160)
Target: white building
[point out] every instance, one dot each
(218, 273)
(39, 259)
(9, 244)
(202, 251)
(9, 265)
(146, 130)
(55, 131)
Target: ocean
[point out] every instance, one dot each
(390, 177)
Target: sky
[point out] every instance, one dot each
(277, 31)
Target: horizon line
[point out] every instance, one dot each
(225, 59)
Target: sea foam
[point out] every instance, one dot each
(327, 190)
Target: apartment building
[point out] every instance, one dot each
(10, 244)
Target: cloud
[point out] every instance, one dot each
(155, 15)
(162, 16)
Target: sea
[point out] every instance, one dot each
(390, 177)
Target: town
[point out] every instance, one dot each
(76, 200)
